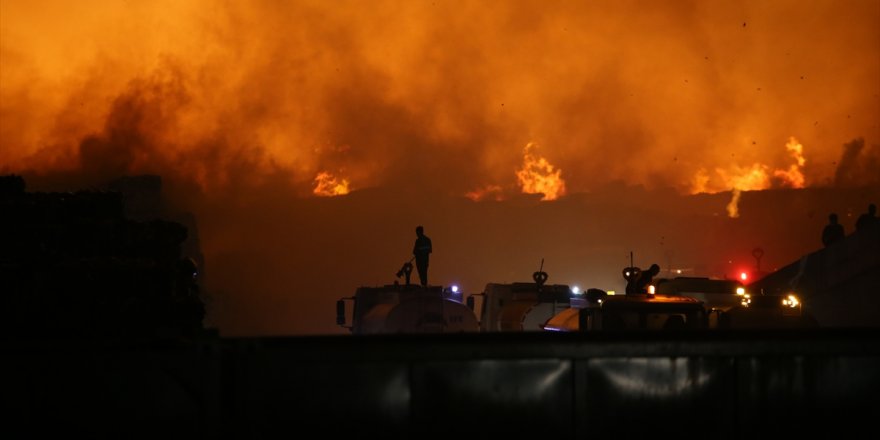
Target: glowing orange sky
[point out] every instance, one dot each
(393, 92)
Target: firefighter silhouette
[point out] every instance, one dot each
(868, 219)
(421, 251)
(833, 231)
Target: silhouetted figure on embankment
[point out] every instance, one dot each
(868, 219)
(833, 231)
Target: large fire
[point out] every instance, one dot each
(538, 176)
(755, 177)
(328, 185)
(793, 177)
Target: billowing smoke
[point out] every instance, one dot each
(858, 165)
(253, 111)
(411, 94)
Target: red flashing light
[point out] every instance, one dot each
(743, 276)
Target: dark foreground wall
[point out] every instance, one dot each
(693, 385)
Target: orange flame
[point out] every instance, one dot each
(752, 178)
(538, 176)
(793, 177)
(327, 185)
(700, 182)
(732, 207)
(489, 192)
(748, 179)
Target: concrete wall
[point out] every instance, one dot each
(688, 385)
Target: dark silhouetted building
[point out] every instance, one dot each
(74, 265)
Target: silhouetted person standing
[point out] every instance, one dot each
(868, 219)
(833, 231)
(421, 250)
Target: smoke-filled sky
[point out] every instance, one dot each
(252, 110)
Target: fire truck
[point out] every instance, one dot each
(519, 306)
(406, 308)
